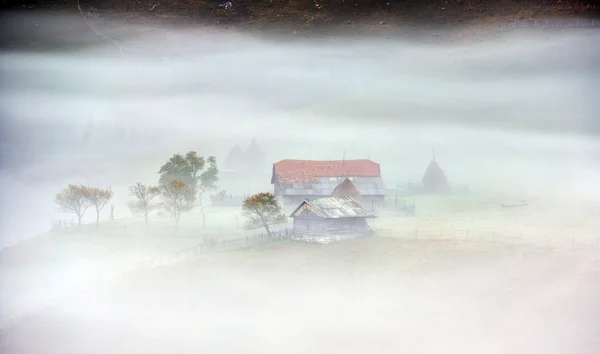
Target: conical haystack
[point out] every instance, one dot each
(434, 180)
(347, 189)
(235, 159)
(254, 158)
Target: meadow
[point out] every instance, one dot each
(381, 294)
(61, 261)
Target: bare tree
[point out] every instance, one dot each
(180, 198)
(99, 198)
(262, 210)
(144, 196)
(74, 199)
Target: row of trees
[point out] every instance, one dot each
(78, 199)
(182, 181)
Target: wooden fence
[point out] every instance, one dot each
(63, 224)
(218, 246)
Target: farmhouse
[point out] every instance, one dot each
(297, 180)
(331, 216)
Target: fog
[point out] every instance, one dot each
(513, 116)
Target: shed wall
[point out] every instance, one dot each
(320, 226)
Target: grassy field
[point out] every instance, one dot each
(378, 294)
(50, 264)
(57, 262)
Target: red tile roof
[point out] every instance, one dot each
(290, 171)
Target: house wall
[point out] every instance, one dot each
(295, 193)
(318, 226)
(309, 226)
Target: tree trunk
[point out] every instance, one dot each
(146, 217)
(175, 216)
(202, 211)
(267, 229)
(78, 222)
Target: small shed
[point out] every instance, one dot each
(331, 216)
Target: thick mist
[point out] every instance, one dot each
(512, 112)
(512, 116)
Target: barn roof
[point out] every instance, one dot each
(336, 207)
(291, 171)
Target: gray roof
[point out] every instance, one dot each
(325, 186)
(337, 207)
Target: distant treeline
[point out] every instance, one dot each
(552, 23)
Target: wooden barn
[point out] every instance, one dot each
(297, 180)
(331, 216)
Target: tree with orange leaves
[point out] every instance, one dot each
(262, 210)
(180, 198)
(74, 199)
(99, 198)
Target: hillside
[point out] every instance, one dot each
(314, 14)
(25, 26)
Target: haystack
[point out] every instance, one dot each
(347, 189)
(254, 157)
(235, 159)
(434, 180)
